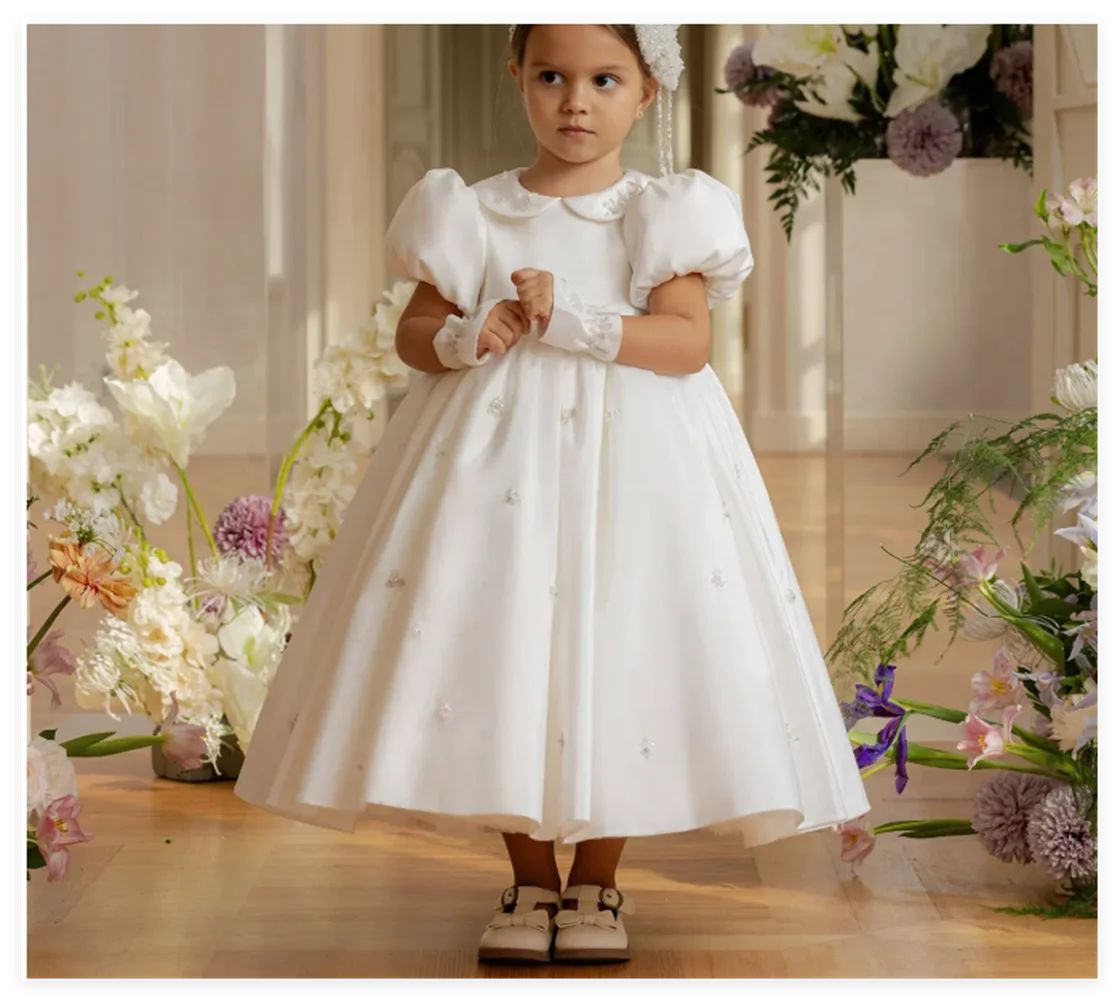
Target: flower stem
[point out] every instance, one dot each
(39, 579)
(51, 618)
(190, 540)
(128, 510)
(282, 479)
(193, 501)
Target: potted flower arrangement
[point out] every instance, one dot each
(1033, 719)
(921, 95)
(193, 646)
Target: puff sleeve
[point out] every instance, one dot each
(438, 236)
(682, 224)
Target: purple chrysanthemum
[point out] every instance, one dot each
(1002, 813)
(1012, 69)
(242, 528)
(924, 140)
(740, 69)
(1060, 837)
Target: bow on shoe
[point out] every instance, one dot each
(533, 918)
(593, 918)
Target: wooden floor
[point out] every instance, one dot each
(188, 881)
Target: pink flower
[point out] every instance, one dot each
(51, 657)
(996, 688)
(857, 842)
(982, 740)
(974, 567)
(58, 829)
(182, 741)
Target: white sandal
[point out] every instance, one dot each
(520, 932)
(591, 934)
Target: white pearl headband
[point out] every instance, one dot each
(660, 49)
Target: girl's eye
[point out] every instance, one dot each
(605, 82)
(550, 76)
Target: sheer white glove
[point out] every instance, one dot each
(456, 345)
(581, 328)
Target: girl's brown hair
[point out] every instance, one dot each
(626, 32)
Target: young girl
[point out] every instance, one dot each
(560, 606)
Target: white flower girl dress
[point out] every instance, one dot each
(559, 603)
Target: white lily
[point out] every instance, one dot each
(799, 49)
(243, 694)
(928, 56)
(171, 410)
(835, 83)
(252, 641)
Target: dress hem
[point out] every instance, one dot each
(756, 828)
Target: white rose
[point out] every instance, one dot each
(50, 775)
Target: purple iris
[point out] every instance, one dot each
(875, 701)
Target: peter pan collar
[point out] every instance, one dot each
(504, 195)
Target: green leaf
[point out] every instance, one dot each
(35, 857)
(926, 829)
(83, 742)
(1033, 740)
(933, 711)
(1040, 209)
(48, 734)
(1060, 258)
(1058, 761)
(275, 597)
(1019, 247)
(1036, 596)
(925, 756)
(107, 748)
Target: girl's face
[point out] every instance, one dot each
(583, 89)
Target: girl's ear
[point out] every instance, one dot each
(515, 73)
(648, 93)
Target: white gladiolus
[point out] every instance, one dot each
(171, 410)
(928, 56)
(1077, 386)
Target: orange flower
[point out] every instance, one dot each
(87, 577)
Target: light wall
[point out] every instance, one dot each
(145, 163)
(233, 175)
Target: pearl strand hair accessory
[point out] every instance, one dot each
(660, 49)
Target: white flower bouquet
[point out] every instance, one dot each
(1032, 722)
(193, 648)
(920, 94)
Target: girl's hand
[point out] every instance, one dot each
(535, 292)
(502, 328)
